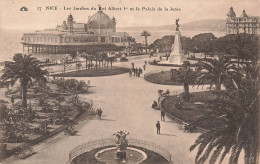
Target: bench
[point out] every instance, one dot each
(25, 153)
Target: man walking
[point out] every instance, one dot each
(158, 126)
(99, 112)
(130, 73)
(162, 115)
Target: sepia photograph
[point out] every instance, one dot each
(129, 81)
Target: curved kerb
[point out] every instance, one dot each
(88, 146)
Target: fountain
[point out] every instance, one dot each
(121, 144)
(119, 150)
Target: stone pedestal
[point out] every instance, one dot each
(177, 55)
(120, 156)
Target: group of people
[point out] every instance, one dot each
(136, 72)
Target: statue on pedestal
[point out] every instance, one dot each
(177, 25)
(177, 56)
(121, 144)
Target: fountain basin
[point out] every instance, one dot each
(133, 155)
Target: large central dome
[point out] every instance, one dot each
(100, 20)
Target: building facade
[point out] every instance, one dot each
(99, 29)
(242, 24)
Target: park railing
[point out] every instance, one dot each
(86, 147)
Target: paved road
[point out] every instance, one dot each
(126, 104)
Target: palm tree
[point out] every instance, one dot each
(184, 75)
(215, 71)
(25, 68)
(145, 33)
(239, 113)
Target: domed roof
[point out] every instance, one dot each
(231, 13)
(100, 18)
(244, 14)
(70, 16)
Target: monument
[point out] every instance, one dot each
(121, 144)
(177, 55)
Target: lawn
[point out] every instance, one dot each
(163, 77)
(94, 73)
(193, 110)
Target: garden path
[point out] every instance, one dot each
(126, 104)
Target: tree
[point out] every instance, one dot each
(184, 75)
(25, 68)
(215, 71)
(130, 40)
(186, 44)
(145, 33)
(110, 59)
(73, 55)
(241, 46)
(238, 110)
(202, 43)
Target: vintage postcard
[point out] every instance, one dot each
(129, 81)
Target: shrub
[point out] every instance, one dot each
(123, 59)
(13, 123)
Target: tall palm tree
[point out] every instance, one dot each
(239, 113)
(25, 68)
(215, 71)
(145, 33)
(184, 75)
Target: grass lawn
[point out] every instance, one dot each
(94, 73)
(163, 77)
(192, 110)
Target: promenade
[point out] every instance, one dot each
(126, 104)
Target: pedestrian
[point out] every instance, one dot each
(160, 57)
(145, 62)
(144, 67)
(12, 100)
(158, 127)
(134, 71)
(137, 72)
(140, 71)
(133, 65)
(100, 113)
(162, 115)
(130, 73)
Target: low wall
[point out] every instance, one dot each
(86, 147)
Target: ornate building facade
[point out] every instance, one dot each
(242, 24)
(100, 29)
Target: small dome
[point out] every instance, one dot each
(70, 16)
(231, 13)
(244, 14)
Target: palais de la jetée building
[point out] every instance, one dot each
(98, 33)
(243, 24)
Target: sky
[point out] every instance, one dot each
(187, 10)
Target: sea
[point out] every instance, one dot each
(11, 42)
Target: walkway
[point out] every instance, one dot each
(126, 104)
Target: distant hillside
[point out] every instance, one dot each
(205, 25)
(200, 25)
